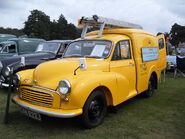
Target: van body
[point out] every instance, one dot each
(95, 72)
(18, 46)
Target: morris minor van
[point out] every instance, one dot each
(102, 68)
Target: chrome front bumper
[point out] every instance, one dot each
(44, 112)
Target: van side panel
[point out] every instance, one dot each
(144, 69)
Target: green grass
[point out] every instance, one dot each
(161, 116)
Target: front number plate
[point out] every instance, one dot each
(31, 114)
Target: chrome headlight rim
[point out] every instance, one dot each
(1, 64)
(7, 71)
(68, 85)
(16, 79)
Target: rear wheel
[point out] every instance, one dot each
(94, 109)
(151, 88)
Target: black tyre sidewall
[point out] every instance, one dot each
(148, 93)
(85, 118)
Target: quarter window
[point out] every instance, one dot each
(122, 51)
(161, 43)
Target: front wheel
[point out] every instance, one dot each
(94, 109)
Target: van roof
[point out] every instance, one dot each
(121, 31)
(32, 39)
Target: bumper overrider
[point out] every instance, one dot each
(60, 113)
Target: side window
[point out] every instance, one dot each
(12, 49)
(125, 50)
(122, 51)
(161, 43)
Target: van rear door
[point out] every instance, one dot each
(162, 52)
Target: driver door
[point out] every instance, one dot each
(124, 66)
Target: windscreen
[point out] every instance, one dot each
(48, 47)
(89, 48)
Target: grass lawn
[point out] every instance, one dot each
(161, 116)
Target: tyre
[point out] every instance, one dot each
(151, 88)
(94, 110)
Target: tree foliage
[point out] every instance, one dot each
(17, 32)
(39, 25)
(177, 34)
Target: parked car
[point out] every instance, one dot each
(5, 37)
(103, 68)
(45, 51)
(18, 46)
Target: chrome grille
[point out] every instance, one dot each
(36, 97)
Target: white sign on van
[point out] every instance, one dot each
(149, 53)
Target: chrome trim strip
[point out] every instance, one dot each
(51, 114)
(48, 106)
(43, 89)
(36, 91)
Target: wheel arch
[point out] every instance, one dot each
(155, 77)
(107, 94)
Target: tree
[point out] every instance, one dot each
(38, 23)
(62, 27)
(177, 34)
(72, 31)
(63, 30)
(53, 30)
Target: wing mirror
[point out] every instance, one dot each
(83, 65)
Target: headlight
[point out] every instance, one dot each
(7, 71)
(1, 65)
(16, 79)
(64, 87)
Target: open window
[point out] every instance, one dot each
(122, 50)
(12, 48)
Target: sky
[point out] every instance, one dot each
(153, 15)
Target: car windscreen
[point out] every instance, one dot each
(48, 47)
(89, 48)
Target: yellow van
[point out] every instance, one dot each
(103, 68)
